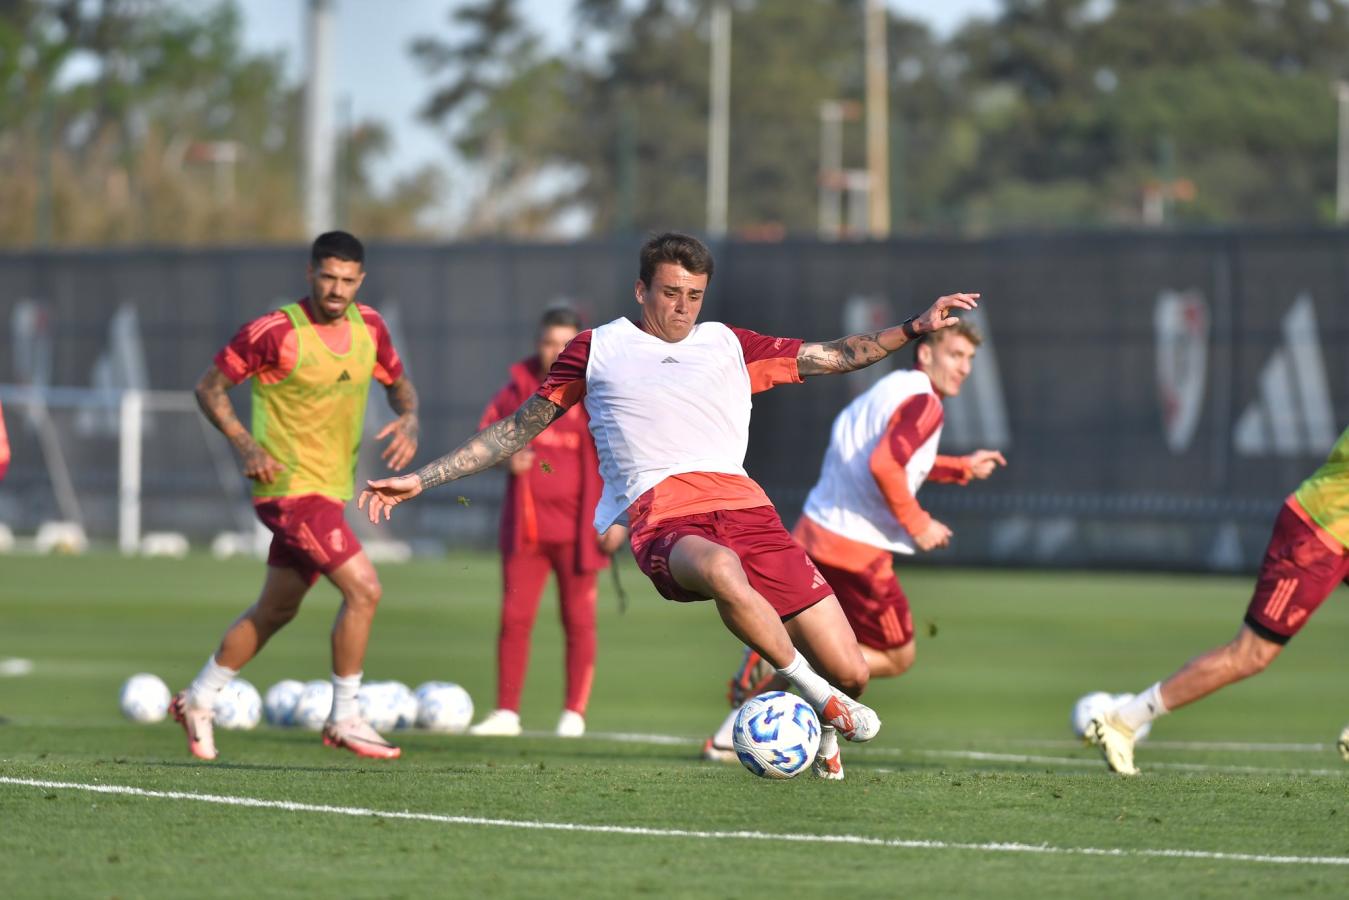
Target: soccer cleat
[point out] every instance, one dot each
(572, 724)
(356, 735)
(1115, 740)
(853, 720)
(499, 723)
(753, 676)
(199, 725)
(1344, 744)
(828, 761)
(714, 753)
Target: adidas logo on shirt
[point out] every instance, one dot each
(344, 376)
(669, 359)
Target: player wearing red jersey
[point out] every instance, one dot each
(669, 404)
(311, 363)
(4, 447)
(882, 448)
(547, 524)
(1307, 558)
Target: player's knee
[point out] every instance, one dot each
(364, 593)
(269, 616)
(852, 679)
(901, 658)
(1254, 657)
(722, 571)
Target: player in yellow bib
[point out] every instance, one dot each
(311, 363)
(1307, 558)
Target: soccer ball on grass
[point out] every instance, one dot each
(145, 698)
(238, 706)
(279, 704)
(443, 706)
(776, 735)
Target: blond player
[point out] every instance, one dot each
(669, 405)
(1307, 558)
(311, 363)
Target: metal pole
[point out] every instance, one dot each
(831, 169)
(1342, 154)
(320, 146)
(129, 472)
(719, 121)
(878, 122)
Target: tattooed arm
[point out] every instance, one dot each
(402, 400)
(861, 350)
(215, 405)
(482, 451)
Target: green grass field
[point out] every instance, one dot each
(974, 786)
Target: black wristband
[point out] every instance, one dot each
(908, 328)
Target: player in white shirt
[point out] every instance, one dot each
(864, 508)
(669, 405)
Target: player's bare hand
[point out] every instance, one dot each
(257, 464)
(933, 536)
(941, 314)
(381, 496)
(521, 462)
(403, 447)
(613, 538)
(983, 462)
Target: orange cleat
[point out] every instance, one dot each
(199, 725)
(356, 735)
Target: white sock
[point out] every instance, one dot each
(806, 682)
(208, 684)
(828, 742)
(723, 739)
(345, 688)
(1143, 708)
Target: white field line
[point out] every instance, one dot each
(981, 756)
(638, 831)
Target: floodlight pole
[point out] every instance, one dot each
(719, 121)
(878, 122)
(1342, 154)
(320, 147)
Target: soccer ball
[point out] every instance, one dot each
(776, 735)
(316, 701)
(405, 702)
(443, 706)
(238, 706)
(1088, 707)
(279, 704)
(1344, 744)
(378, 704)
(145, 698)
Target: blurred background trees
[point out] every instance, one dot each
(148, 121)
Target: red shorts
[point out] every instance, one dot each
(775, 565)
(309, 534)
(874, 602)
(1302, 565)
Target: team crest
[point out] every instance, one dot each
(1181, 322)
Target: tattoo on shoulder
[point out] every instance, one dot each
(493, 444)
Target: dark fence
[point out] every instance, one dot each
(1157, 395)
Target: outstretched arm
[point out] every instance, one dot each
(861, 350)
(215, 405)
(482, 451)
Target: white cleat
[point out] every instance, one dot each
(1344, 744)
(356, 734)
(828, 761)
(571, 725)
(499, 723)
(1116, 742)
(854, 721)
(714, 752)
(199, 724)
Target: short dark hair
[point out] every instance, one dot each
(673, 247)
(559, 316)
(337, 245)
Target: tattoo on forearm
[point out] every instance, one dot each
(850, 353)
(403, 397)
(215, 405)
(493, 444)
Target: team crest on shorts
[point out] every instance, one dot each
(337, 540)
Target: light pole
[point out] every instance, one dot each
(320, 146)
(1342, 154)
(719, 121)
(878, 122)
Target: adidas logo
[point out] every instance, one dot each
(1291, 414)
(669, 359)
(344, 376)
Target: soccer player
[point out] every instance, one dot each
(882, 448)
(547, 523)
(311, 363)
(4, 446)
(669, 404)
(1307, 557)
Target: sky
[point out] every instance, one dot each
(377, 77)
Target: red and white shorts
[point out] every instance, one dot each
(775, 565)
(1303, 564)
(309, 534)
(873, 601)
